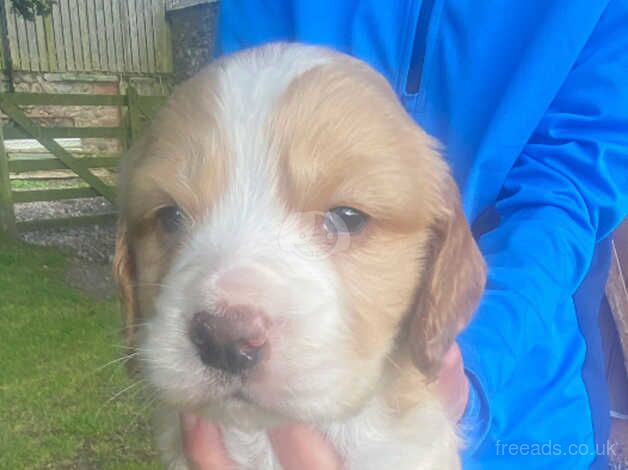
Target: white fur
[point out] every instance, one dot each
(311, 364)
(372, 440)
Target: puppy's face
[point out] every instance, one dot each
(285, 228)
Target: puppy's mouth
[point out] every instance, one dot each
(240, 396)
(227, 393)
(240, 409)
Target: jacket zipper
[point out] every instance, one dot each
(415, 72)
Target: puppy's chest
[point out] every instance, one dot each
(374, 440)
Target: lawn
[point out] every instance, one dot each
(28, 184)
(59, 407)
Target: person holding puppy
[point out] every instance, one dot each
(530, 100)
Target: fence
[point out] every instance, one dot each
(139, 109)
(114, 36)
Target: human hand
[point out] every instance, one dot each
(453, 384)
(299, 447)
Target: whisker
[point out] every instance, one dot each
(394, 364)
(119, 393)
(137, 324)
(121, 359)
(151, 403)
(150, 284)
(124, 346)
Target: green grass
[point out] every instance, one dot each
(56, 406)
(47, 184)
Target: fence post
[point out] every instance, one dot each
(7, 214)
(134, 114)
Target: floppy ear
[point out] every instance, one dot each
(124, 276)
(451, 286)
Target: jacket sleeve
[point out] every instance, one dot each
(567, 191)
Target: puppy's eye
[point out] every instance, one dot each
(345, 220)
(171, 218)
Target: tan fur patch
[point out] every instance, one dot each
(346, 141)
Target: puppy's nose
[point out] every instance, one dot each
(231, 340)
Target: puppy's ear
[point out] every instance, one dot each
(451, 286)
(124, 276)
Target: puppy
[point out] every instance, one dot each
(292, 248)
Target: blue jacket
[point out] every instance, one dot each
(531, 100)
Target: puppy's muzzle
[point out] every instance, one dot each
(232, 339)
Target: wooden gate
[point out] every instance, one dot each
(138, 109)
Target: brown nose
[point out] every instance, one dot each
(231, 340)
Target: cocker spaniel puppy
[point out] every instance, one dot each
(292, 247)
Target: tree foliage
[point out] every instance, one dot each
(29, 9)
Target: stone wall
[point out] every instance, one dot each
(84, 116)
(193, 27)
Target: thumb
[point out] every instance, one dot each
(300, 447)
(203, 445)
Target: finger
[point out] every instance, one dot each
(453, 383)
(452, 359)
(300, 447)
(202, 444)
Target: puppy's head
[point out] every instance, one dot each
(286, 227)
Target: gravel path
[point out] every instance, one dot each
(92, 243)
(90, 247)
